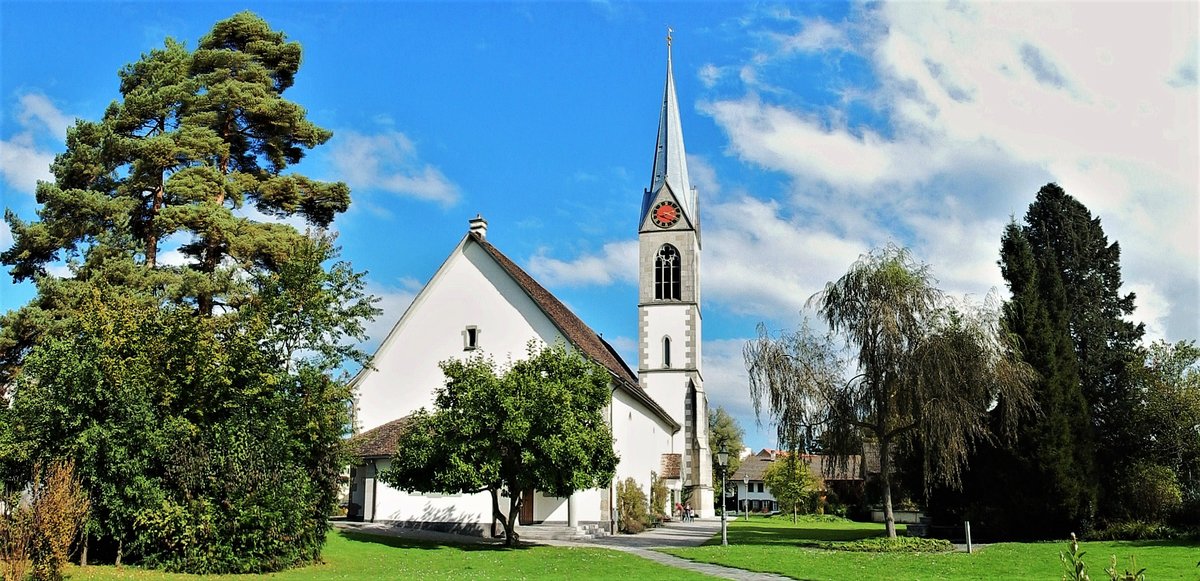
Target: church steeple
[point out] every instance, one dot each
(670, 159)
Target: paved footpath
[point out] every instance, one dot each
(673, 534)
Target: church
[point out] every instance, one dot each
(480, 302)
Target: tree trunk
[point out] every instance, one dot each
(885, 469)
(509, 535)
(151, 228)
(83, 547)
(120, 550)
(514, 510)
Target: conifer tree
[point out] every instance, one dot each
(1044, 484)
(1065, 237)
(196, 136)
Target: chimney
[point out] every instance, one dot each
(478, 226)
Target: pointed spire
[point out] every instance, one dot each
(670, 159)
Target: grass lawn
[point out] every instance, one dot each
(357, 556)
(775, 545)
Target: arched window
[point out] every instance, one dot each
(666, 352)
(666, 273)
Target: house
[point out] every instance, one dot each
(754, 495)
(481, 302)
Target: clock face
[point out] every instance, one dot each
(665, 214)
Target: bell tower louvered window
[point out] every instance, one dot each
(667, 274)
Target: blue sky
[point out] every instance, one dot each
(815, 132)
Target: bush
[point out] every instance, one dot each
(1136, 530)
(36, 535)
(16, 538)
(658, 496)
(1151, 492)
(631, 506)
(887, 545)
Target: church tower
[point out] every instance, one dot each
(669, 321)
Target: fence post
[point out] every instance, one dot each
(967, 524)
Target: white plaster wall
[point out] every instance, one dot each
(641, 438)
(470, 289)
(396, 505)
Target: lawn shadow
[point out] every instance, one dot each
(1184, 543)
(750, 534)
(428, 542)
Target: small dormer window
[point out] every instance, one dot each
(471, 338)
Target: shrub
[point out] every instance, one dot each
(887, 545)
(16, 538)
(36, 534)
(1150, 492)
(60, 506)
(631, 506)
(658, 496)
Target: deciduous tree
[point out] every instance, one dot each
(723, 428)
(791, 482)
(537, 425)
(922, 368)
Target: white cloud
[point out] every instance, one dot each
(389, 162)
(983, 104)
(36, 109)
(617, 261)
(25, 156)
(6, 237)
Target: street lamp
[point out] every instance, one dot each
(746, 501)
(723, 461)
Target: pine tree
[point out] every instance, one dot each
(196, 136)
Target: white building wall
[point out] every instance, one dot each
(470, 290)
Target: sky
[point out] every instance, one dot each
(815, 132)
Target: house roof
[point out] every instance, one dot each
(824, 466)
(380, 441)
(575, 331)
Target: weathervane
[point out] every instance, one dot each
(669, 31)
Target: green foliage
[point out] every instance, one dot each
(792, 483)
(1074, 567)
(1045, 484)
(890, 545)
(723, 428)
(1151, 491)
(658, 496)
(537, 424)
(1076, 275)
(198, 400)
(1168, 421)
(206, 444)
(631, 507)
(1141, 530)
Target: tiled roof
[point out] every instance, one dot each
(756, 466)
(379, 442)
(575, 330)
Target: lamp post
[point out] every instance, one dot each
(723, 461)
(746, 501)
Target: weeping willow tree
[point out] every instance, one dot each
(901, 362)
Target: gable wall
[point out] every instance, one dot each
(470, 289)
